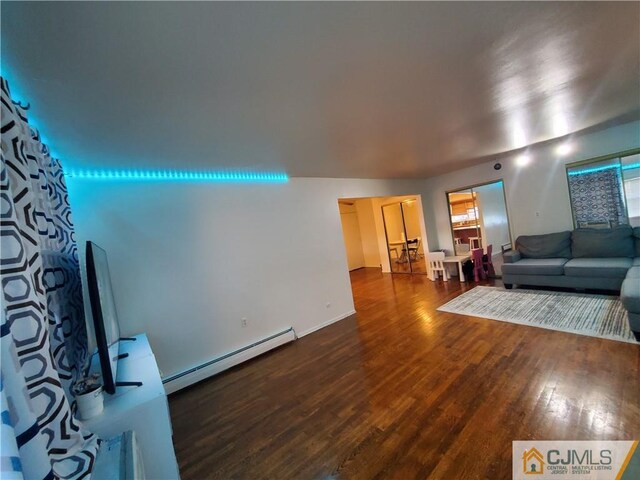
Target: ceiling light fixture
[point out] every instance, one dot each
(564, 149)
(523, 160)
(560, 125)
(519, 138)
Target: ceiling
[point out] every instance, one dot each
(370, 90)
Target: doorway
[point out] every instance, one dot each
(479, 219)
(386, 233)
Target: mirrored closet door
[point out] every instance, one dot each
(479, 219)
(404, 238)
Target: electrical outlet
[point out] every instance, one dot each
(243, 322)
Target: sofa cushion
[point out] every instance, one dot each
(512, 256)
(535, 266)
(636, 238)
(550, 245)
(634, 272)
(630, 291)
(603, 243)
(598, 267)
(636, 262)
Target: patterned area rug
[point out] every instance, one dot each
(599, 316)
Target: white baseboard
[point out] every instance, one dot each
(219, 364)
(224, 362)
(327, 323)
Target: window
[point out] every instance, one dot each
(605, 192)
(631, 181)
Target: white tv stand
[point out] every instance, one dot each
(143, 409)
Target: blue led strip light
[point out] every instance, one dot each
(606, 167)
(180, 176)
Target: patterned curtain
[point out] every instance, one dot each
(42, 332)
(11, 466)
(598, 196)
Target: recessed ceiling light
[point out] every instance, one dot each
(560, 125)
(523, 160)
(564, 149)
(519, 137)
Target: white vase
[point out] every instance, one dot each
(90, 404)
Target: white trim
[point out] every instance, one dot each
(224, 362)
(327, 323)
(217, 365)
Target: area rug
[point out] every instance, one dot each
(599, 316)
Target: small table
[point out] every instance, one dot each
(459, 259)
(394, 246)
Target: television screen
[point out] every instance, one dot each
(105, 317)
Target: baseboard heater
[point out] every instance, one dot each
(226, 361)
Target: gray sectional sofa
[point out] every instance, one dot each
(602, 259)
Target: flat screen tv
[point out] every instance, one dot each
(105, 317)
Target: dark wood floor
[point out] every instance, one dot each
(403, 391)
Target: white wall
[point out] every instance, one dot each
(189, 260)
(537, 194)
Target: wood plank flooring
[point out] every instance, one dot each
(400, 390)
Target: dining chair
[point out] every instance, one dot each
(488, 263)
(436, 264)
(413, 246)
(478, 268)
(461, 248)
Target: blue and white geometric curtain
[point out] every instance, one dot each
(42, 331)
(598, 196)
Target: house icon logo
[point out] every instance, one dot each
(532, 462)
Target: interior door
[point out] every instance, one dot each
(493, 215)
(414, 241)
(479, 218)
